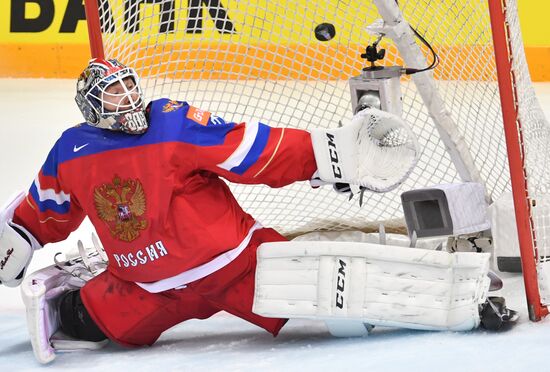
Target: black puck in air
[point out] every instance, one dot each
(325, 31)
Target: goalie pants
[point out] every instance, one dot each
(131, 316)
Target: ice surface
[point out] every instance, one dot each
(34, 112)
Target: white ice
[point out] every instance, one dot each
(35, 112)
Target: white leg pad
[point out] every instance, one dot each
(40, 292)
(374, 284)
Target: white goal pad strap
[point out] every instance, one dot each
(376, 150)
(380, 285)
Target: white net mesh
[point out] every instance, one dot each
(260, 59)
(535, 131)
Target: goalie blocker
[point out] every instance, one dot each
(351, 284)
(17, 245)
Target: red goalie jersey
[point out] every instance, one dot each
(156, 200)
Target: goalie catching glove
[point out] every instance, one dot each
(377, 151)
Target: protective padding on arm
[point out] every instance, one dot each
(380, 285)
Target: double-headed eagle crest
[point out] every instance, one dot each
(121, 205)
(171, 106)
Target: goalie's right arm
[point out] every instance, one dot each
(377, 150)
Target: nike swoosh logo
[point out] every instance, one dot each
(77, 149)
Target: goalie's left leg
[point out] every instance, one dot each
(373, 284)
(56, 319)
(75, 320)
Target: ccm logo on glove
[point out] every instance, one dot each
(5, 259)
(333, 156)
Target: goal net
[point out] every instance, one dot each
(245, 59)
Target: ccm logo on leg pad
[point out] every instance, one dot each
(340, 284)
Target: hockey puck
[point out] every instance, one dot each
(325, 31)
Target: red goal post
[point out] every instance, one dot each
(514, 144)
(269, 65)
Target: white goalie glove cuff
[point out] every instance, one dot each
(377, 150)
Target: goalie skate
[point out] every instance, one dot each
(496, 316)
(41, 292)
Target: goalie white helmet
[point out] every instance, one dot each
(109, 96)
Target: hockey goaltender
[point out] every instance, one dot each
(178, 246)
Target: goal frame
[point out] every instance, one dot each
(515, 149)
(512, 129)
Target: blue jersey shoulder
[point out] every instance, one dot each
(72, 141)
(188, 123)
(169, 121)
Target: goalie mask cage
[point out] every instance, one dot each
(476, 115)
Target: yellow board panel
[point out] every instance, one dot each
(535, 27)
(278, 21)
(48, 18)
(62, 54)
